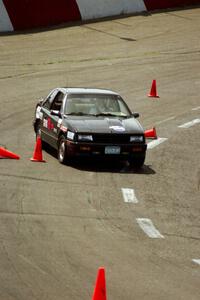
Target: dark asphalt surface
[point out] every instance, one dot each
(58, 224)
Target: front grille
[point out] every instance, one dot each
(111, 138)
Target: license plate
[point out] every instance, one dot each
(112, 150)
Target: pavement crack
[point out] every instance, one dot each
(45, 214)
(182, 236)
(198, 180)
(12, 263)
(42, 179)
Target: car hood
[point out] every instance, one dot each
(103, 125)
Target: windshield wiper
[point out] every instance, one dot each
(80, 113)
(110, 115)
(106, 114)
(96, 115)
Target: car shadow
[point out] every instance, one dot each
(104, 165)
(115, 166)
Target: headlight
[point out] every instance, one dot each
(70, 135)
(85, 137)
(136, 138)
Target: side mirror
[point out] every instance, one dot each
(135, 114)
(40, 100)
(55, 113)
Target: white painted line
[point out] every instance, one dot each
(155, 143)
(190, 124)
(196, 261)
(196, 108)
(165, 120)
(129, 195)
(147, 226)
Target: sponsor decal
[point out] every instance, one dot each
(40, 115)
(117, 128)
(50, 125)
(45, 123)
(59, 123)
(37, 113)
(63, 128)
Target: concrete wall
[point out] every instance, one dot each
(27, 14)
(93, 9)
(163, 4)
(5, 23)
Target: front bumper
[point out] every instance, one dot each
(98, 150)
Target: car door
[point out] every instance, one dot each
(53, 121)
(45, 124)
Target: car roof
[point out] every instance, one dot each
(75, 90)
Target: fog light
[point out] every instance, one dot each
(85, 148)
(137, 149)
(96, 153)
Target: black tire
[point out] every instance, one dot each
(45, 146)
(37, 128)
(62, 151)
(137, 161)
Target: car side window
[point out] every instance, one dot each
(48, 101)
(123, 107)
(57, 102)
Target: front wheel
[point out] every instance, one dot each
(137, 161)
(37, 128)
(38, 134)
(62, 151)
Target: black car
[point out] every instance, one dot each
(90, 122)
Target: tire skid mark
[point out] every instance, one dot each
(166, 120)
(32, 264)
(14, 268)
(183, 236)
(43, 179)
(12, 115)
(32, 214)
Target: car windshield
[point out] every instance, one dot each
(96, 104)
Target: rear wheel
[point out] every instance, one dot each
(62, 151)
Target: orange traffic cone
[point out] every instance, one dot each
(100, 286)
(153, 92)
(37, 155)
(150, 133)
(4, 153)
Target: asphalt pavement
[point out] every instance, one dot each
(59, 224)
